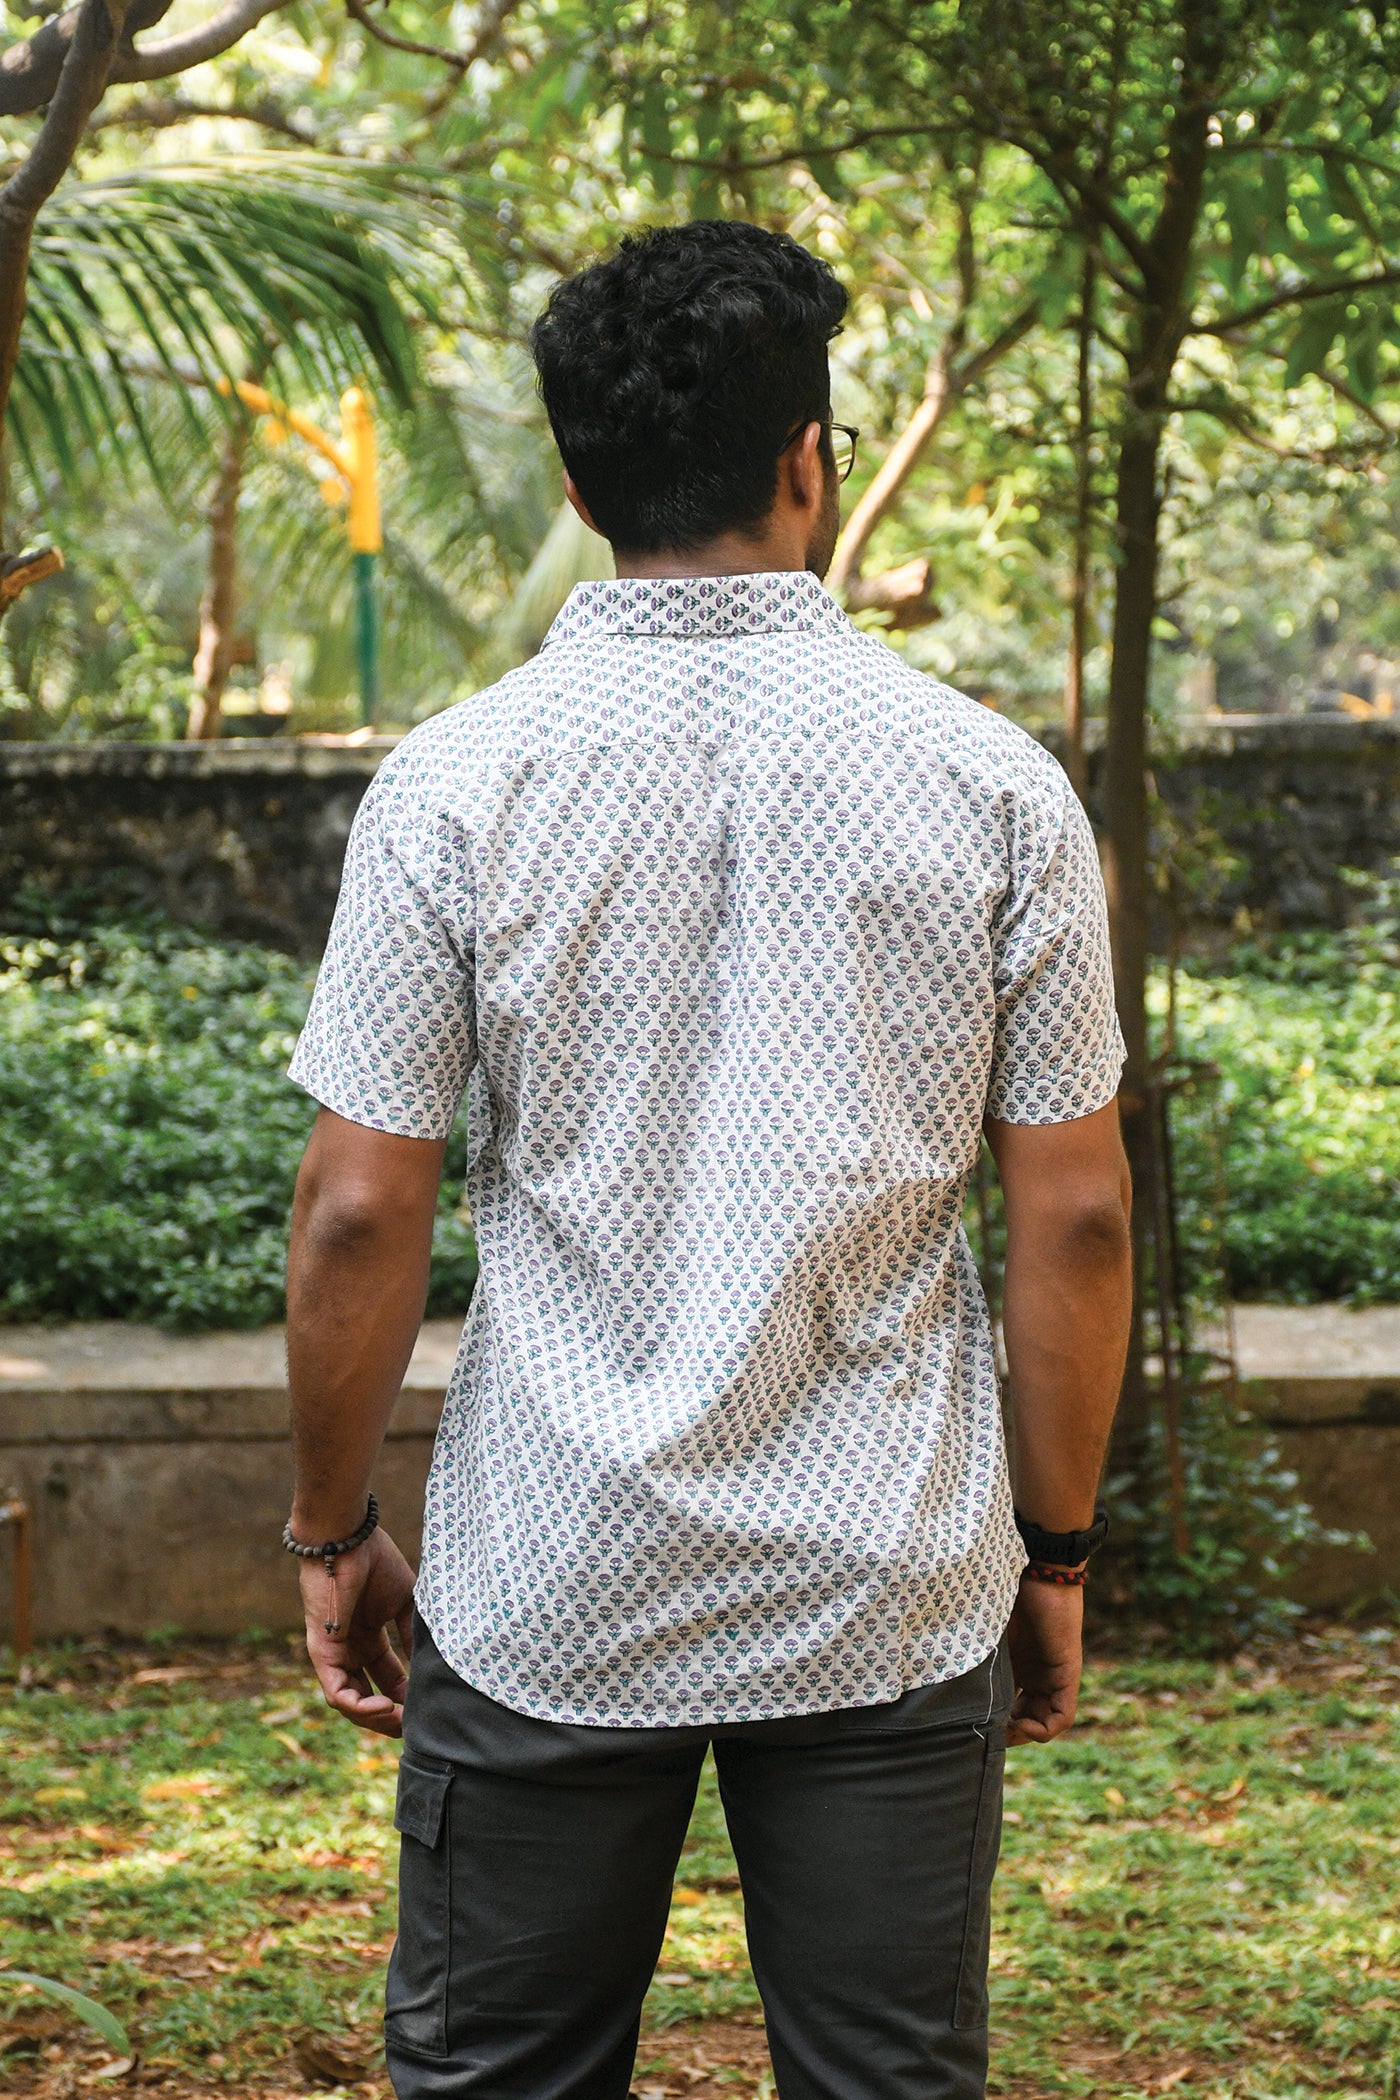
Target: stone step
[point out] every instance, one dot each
(158, 1470)
(1302, 1365)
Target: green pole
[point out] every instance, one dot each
(366, 637)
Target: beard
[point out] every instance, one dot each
(827, 528)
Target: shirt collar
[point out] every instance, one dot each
(684, 607)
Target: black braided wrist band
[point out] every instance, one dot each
(333, 1548)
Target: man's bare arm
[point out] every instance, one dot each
(357, 1282)
(1066, 1310)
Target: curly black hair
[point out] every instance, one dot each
(673, 372)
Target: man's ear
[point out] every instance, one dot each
(571, 491)
(806, 474)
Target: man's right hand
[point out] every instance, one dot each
(1046, 1639)
(358, 1669)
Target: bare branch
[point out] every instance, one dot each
(944, 383)
(159, 112)
(82, 82)
(1297, 295)
(176, 54)
(29, 70)
(905, 593)
(493, 16)
(18, 571)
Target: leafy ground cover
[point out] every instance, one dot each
(1200, 1890)
(152, 1135)
(1306, 1033)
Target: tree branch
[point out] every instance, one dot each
(18, 571)
(491, 20)
(159, 112)
(1238, 418)
(29, 70)
(808, 151)
(1297, 295)
(82, 81)
(944, 383)
(1336, 385)
(1311, 149)
(176, 54)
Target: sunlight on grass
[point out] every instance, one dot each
(1202, 1880)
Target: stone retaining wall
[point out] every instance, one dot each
(158, 1469)
(158, 1472)
(247, 838)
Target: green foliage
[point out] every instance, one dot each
(289, 265)
(1201, 1877)
(1247, 1528)
(1306, 1032)
(153, 1138)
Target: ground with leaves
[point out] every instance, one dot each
(1200, 1890)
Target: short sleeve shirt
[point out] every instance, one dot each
(733, 928)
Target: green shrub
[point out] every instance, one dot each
(1306, 1033)
(152, 1138)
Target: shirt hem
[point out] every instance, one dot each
(517, 1701)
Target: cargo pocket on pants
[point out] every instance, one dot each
(970, 2003)
(415, 1997)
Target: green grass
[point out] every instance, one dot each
(1203, 1879)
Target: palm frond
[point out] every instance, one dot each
(316, 271)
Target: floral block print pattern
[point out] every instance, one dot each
(733, 929)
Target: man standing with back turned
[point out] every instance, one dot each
(740, 933)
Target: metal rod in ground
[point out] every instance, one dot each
(366, 637)
(1166, 1321)
(16, 1514)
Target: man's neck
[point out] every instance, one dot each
(732, 554)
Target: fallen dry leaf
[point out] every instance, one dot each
(322, 2060)
(182, 1786)
(116, 2067)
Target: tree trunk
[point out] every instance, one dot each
(1163, 318)
(1075, 764)
(95, 31)
(1125, 845)
(218, 607)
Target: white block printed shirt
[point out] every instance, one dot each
(733, 928)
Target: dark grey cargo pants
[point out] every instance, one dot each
(535, 1878)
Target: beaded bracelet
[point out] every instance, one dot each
(1065, 1578)
(330, 1552)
